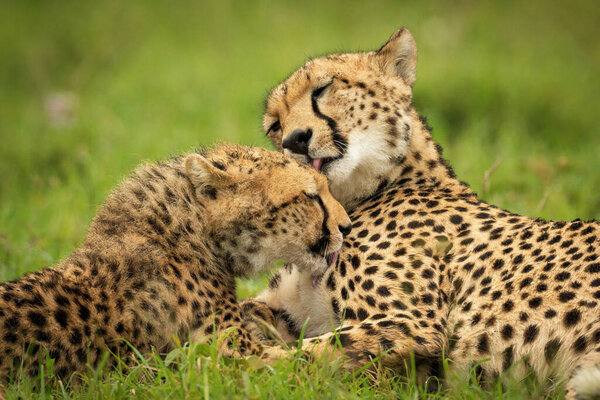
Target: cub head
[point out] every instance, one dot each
(348, 115)
(261, 206)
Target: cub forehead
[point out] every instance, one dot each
(231, 156)
(262, 164)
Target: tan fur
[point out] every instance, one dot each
(161, 256)
(429, 267)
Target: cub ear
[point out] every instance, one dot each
(399, 56)
(203, 173)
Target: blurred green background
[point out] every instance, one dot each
(90, 89)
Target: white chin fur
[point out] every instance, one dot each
(312, 264)
(301, 301)
(368, 158)
(273, 251)
(586, 382)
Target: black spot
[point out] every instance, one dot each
(523, 317)
(580, 344)
(62, 300)
(593, 268)
(530, 334)
(408, 287)
(525, 282)
(390, 275)
(563, 276)
(478, 273)
(371, 270)
(75, 337)
(60, 316)
(566, 296)
(399, 305)
(480, 247)
(331, 282)
(535, 302)
(551, 349)
(84, 313)
(345, 340)
(508, 305)
(370, 301)
(427, 273)
(427, 298)
(572, 318)
(10, 337)
(542, 287)
(456, 219)
(507, 358)
(36, 318)
(483, 344)
(362, 314)
(507, 332)
(350, 314)
(367, 284)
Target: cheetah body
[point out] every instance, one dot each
(429, 267)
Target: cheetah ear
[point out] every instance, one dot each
(399, 56)
(203, 173)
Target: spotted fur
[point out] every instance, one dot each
(161, 258)
(429, 267)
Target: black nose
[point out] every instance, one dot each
(345, 229)
(297, 141)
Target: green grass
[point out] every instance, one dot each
(507, 84)
(199, 372)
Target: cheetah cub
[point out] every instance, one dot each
(161, 256)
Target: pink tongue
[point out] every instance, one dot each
(316, 163)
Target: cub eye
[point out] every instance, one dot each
(274, 127)
(319, 91)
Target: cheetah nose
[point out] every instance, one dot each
(297, 141)
(345, 229)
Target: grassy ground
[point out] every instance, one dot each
(89, 89)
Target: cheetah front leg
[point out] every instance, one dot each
(389, 339)
(235, 335)
(261, 321)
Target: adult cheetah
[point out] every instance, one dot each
(161, 257)
(429, 267)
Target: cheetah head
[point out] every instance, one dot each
(348, 114)
(262, 206)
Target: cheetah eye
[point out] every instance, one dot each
(319, 91)
(274, 127)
